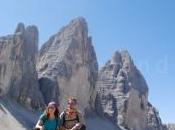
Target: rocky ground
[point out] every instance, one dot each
(14, 116)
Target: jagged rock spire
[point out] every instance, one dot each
(18, 77)
(68, 65)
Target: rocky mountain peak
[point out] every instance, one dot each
(119, 86)
(116, 58)
(20, 28)
(122, 58)
(80, 23)
(18, 77)
(76, 27)
(68, 66)
(32, 30)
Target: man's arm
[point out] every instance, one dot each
(81, 118)
(81, 121)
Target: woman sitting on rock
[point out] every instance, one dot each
(49, 120)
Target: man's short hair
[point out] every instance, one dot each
(72, 99)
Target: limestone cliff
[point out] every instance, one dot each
(18, 76)
(67, 66)
(116, 96)
(122, 95)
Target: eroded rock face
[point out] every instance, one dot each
(68, 67)
(122, 94)
(170, 127)
(18, 77)
(153, 119)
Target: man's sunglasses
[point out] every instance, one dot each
(71, 103)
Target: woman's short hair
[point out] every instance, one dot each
(72, 99)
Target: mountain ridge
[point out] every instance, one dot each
(67, 66)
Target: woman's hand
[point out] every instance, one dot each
(38, 126)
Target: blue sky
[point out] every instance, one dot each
(146, 28)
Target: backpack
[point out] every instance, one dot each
(83, 127)
(64, 120)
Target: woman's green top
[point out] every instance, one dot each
(50, 124)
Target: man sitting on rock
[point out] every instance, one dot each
(71, 117)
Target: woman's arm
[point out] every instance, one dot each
(38, 125)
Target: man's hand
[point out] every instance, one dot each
(76, 127)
